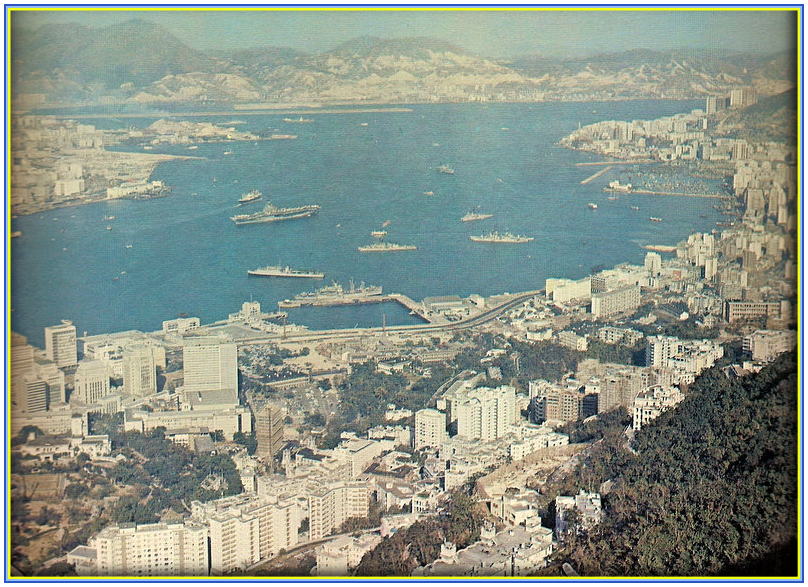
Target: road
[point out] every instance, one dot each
(317, 335)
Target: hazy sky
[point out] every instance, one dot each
(494, 33)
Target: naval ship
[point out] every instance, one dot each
(335, 295)
(505, 237)
(272, 214)
(385, 247)
(278, 271)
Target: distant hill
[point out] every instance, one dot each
(136, 52)
(141, 62)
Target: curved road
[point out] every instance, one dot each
(478, 320)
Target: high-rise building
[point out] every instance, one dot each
(139, 371)
(486, 413)
(430, 428)
(268, 431)
(209, 364)
(612, 302)
(246, 529)
(32, 393)
(153, 550)
(334, 503)
(92, 382)
(60, 344)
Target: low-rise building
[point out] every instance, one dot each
(652, 402)
(765, 345)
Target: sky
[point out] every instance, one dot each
(497, 33)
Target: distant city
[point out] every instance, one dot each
(505, 435)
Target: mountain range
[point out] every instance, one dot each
(142, 62)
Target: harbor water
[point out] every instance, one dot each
(183, 254)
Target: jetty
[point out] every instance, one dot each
(596, 175)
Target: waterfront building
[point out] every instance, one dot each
(564, 290)
(180, 325)
(430, 428)
(60, 344)
(92, 382)
(268, 431)
(765, 345)
(616, 301)
(208, 364)
(152, 550)
(652, 402)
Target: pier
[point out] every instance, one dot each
(680, 194)
(596, 175)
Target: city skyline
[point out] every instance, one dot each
(571, 32)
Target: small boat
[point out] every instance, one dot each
(193, 148)
(147, 147)
(378, 233)
(635, 207)
(109, 228)
(429, 193)
(128, 246)
(109, 218)
(612, 198)
(445, 169)
(592, 206)
(228, 152)
(16, 234)
(252, 196)
(655, 219)
(363, 124)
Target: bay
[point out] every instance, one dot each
(363, 169)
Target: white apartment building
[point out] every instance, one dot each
(653, 401)
(564, 290)
(609, 303)
(152, 550)
(333, 503)
(430, 428)
(60, 344)
(245, 529)
(765, 345)
(208, 364)
(485, 413)
(572, 341)
(92, 382)
(358, 453)
(613, 335)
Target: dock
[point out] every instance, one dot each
(596, 175)
(679, 194)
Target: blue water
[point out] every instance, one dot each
(187, 256)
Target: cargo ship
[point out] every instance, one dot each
(272, 214)
(506, 237)
(385, 247)
(278, 271)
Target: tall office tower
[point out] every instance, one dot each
(60, 344)
(153, 550)
(209, 364)
(268, 431)
(92, 382)
(430, 428)
(139, 371)
(31, 393)
(55, 379)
